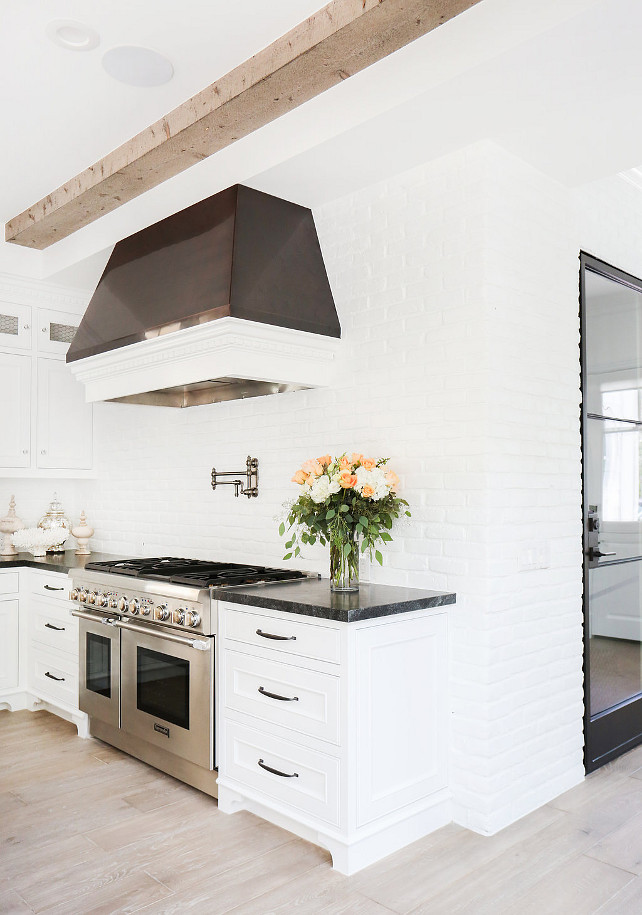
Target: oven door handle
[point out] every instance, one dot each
(199, 644)
(94, 618)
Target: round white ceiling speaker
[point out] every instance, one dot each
(72, 35)
(137, 66)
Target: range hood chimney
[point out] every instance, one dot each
(226, 299)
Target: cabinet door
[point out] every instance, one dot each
(15, 410)
(8, 644)
(64, 421)
(15, 326)
(56, 330)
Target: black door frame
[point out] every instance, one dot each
(605, 735)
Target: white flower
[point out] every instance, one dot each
(322, 488)
(375, 479)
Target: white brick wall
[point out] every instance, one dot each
(457, 289)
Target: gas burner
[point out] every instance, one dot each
(195, 572)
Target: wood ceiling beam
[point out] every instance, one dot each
(341, 39)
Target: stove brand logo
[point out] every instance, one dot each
(161, 729)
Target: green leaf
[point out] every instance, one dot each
(386, 537)
(363, 520)
(364, 546)
(330, 515)
(323, 541)
(343, 508)
(347, 549)
(289, 544)
(409, 515)
(349, 518)
(297, 551)
(312, 540)
(288, 556)
(281, 529)
(379, 557)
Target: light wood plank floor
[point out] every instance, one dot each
(86, 829)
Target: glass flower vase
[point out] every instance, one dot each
(344, 565)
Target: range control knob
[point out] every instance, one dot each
(134, 606)
(179, 617)
(91, 597)
(144, 609)
(193, 618)
(123, 604)
(112, 603)
(162, 613)
(82, 595)
(74, 594)
(101, 599)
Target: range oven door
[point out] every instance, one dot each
(167, 685)
(99, 685)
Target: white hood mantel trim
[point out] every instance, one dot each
(224, 348)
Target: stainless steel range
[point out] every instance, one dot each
(147, 657)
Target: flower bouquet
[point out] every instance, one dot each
(349, 503)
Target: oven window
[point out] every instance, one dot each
(163, 686)
(98, 664)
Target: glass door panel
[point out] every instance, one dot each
(612, 496)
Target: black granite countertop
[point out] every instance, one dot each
(314, 598)
(54, 562)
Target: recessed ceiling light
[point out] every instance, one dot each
(137, 66)
(72, 35)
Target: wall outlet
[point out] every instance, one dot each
(534, 556)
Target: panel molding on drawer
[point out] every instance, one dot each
(314, 789)
(53, 625)
(296, 638)
(310, 703)
(9, 582)
(56, 664)
(50, 584)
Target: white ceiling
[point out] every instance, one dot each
(557, 82)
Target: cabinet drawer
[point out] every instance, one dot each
(309, 782)
(53, 626)
(8, 582)
(287, 636)
(308, 703)
(53, 675)
(50, 584)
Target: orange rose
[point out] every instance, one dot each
(347, 480)
(299, 477)
(345, 463)
(312, 467)
(325, 460)
(367, 492)
(392, 480)
(355, 458)
(368, 463)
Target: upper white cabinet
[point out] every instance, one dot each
(45, 423)
(15, 410)
(15, 326)
(64, 428)
(55, 331)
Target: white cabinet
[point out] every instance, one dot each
(64, 424)
(51, 663)
(15, 326)
(45, 423)
(15, 410)
(8, 631)
(339, 732)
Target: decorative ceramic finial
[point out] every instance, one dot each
(55, 520)
(82, 532)
(9, 526)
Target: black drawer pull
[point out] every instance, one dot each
(57, 628)
(49, 588)
(264, 692)
(276, 771)
(51, 676)
(279, 638)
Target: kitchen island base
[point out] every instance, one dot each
(336, 731)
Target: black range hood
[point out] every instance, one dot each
(241, 255)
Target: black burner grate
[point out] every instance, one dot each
(195, 572)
